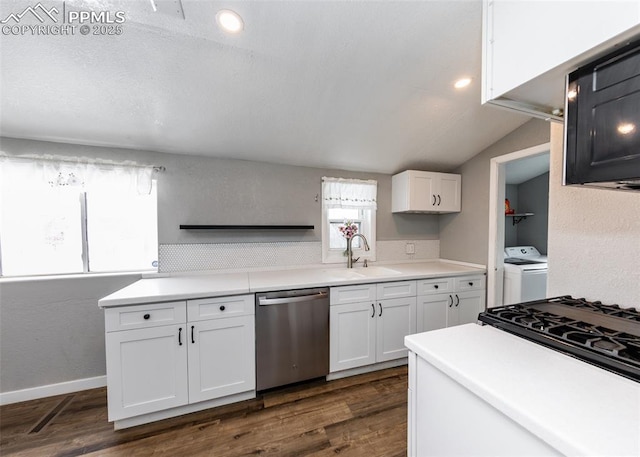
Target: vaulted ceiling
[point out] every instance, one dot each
(359, 85)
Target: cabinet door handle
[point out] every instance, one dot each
(434, 200)
(380, 305)
(451, 304)
(457, 300)
(438, 200)
(193, 341)
(180, 336)
(373, 310)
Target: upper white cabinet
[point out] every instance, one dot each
(425, 192)
(529, 47)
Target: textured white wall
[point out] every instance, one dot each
(594, 238)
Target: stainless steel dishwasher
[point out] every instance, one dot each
(292, 336)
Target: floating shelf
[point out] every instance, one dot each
(518, 217)
(246, 227)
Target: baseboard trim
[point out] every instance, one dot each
(51, 390)
(366, 369)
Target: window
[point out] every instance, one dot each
(353, 202)
(60, 217)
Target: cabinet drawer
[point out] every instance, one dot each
(396, 289)
(220, 307)
(144, 316)
(470, 283)
(435, 286)
(353, 294)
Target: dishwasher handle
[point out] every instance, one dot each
(264, 301)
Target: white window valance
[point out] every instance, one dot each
(77, 173)
(349, 193)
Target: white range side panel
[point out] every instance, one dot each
(446, 419)
(524, 39)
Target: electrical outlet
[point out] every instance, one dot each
(410, 248)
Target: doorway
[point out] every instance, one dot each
(525, 161)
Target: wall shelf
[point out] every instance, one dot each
(246, 227)
(518, 217)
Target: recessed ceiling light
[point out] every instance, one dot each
(463, 82)
(229, 21)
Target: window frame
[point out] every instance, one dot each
(368, 223)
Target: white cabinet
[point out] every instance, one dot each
(167, 355)
(146, 370)
(446, 302)
(425, 192)
(529, 47)
(368, 323)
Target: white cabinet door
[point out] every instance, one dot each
(352, 335)
(146, 370)
(395, 320)
(432, 312)
(423, 190)
(449, 193)
(469, 305)
(221, 357)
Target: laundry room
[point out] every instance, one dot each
(526, 232)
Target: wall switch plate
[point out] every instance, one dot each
(410, 248)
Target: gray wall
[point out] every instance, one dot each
(52, 331)
(533, 197)
(464, 236)
(510, 230)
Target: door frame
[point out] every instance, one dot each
(497, 182)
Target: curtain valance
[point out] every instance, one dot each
(349, 193)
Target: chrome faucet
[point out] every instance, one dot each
(350, 260)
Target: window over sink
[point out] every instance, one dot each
(348, 207)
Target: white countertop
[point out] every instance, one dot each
(218, 284)
(577, 408)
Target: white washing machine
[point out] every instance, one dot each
(525, 275)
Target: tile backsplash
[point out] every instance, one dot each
(230, 256)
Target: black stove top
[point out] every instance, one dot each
(605, 335)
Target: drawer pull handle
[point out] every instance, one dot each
(435, 286)
(146, 316)
(471, 284)
(222, 308)
(193, 341)
(180, 336)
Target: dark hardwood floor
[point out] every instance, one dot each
(363, 415)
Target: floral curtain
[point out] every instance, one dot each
(349, 193)
(74, 173)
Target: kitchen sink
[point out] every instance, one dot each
(377, 271)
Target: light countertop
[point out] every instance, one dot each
(182, 286)
(577, 408)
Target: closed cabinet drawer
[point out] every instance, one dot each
(465, 283)
(220, 307)
(435, 286)
(144, 316)
(396, 289)
(353, 294)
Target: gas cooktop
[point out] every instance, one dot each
(604, 335)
